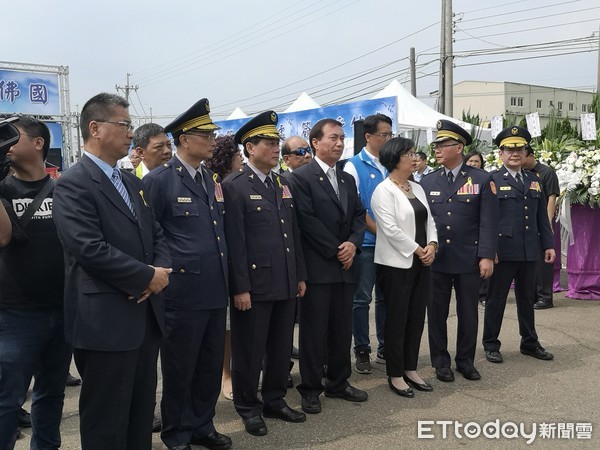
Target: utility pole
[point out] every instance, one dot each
(128, 87)
(413, 72)
(449, 59)
(441, 96)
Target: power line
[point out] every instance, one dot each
(526, 58)
(203, 62)
(495, 16)
(531, 19)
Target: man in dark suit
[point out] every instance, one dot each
(523, 234)
(266, 272)
(188, 202)
(465, 209)
(332, 221)
(116, 262)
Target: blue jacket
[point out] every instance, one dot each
(369, 178)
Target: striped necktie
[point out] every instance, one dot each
(118, 183)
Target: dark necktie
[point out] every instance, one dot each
(519, 179)
(450, 178)
(199, 180)
(269, 183)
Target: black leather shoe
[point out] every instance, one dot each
(311, 404)
(543, 304)
(539, 353)
(408, 392)
(72, 381)
(213, 441)
(156, 425)
(444, 374)
(255, 426)
(350, 394)
(286, 413)
(181, 447)
(425, 386)
(470, 373)
(493, 356)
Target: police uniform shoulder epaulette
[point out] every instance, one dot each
(162, 168)
(435, 171)
(235, 176)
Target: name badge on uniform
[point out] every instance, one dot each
(184, 200)
(505, 188)
(285, 192)
(255, 197)
(435, 193)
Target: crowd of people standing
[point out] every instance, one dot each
(209, 261)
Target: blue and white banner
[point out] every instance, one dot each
(29, 93)
(299, 123)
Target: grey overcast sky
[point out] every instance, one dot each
(261, 54)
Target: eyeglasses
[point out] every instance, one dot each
(127, 125)
(436, 146)
(513, 149)
(385, 136)
(411, 154)
(301, 151)
(209, 136)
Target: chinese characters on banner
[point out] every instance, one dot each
(29, 93)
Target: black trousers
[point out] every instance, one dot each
(325, 337)
(406, 294)
(118, 394)
(264, 333)
(192, 364)
(544, 280)
(466, 287)
(523, 272)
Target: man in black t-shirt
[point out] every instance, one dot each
(32, 340)
(544, 273)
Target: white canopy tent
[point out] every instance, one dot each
(237, 113)
(302, 103)
(414, 114)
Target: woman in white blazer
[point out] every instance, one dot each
(404, 250)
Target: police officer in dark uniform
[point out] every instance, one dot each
(523, 234)
(188, 203)
(267, 273)
(465, 209)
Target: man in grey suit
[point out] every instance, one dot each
(116, 262)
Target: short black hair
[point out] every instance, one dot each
(472, 153)
(422, 156)
(143, 134)
(316, 132)
(99, 107)
(392, 151)
(370, 123)
(36, 128)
